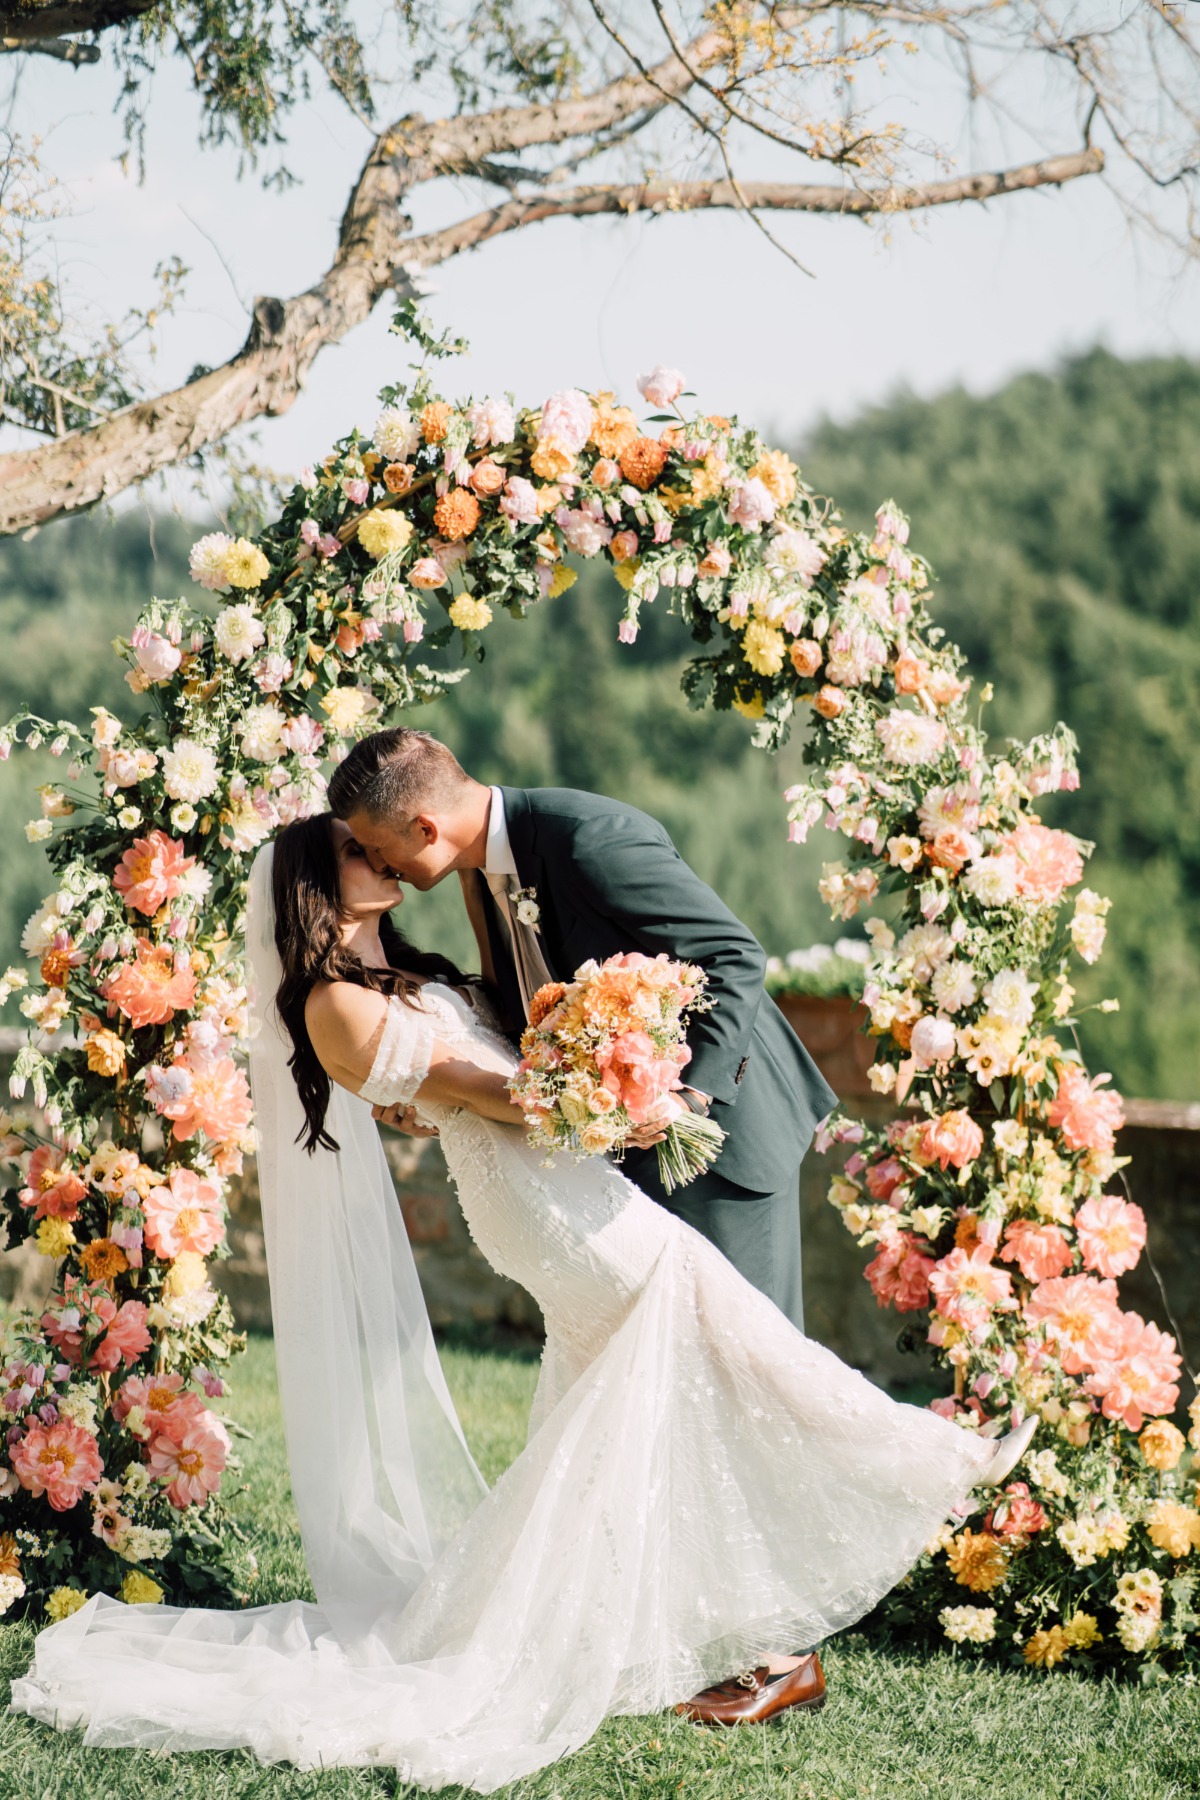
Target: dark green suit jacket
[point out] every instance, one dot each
(609, 879)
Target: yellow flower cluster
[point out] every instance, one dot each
(138, 1589)
(61, 1602)
(978, 1561)
(1173, 1528)
(244, 564)
(54, 1237)
(1161, 1443)
(383, 531)
(470, 614)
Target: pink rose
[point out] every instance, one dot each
(157, 657)
(716, 562)
(427, 572)
(953, 1139)
(662, 387)
(933, 1041)
(605, 471)
(566, 421)
(751, 504)
(624, 545)
(519, 501)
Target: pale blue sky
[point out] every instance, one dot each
(967, 294)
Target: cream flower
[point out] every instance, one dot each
(190, 770)
(237, 634)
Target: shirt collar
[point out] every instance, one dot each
(498, 858)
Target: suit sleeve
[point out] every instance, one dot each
(625, 868)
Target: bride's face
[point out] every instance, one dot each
(363, 893)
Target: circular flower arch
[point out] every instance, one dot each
(985, 1202)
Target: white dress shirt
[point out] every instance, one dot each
(498, 858)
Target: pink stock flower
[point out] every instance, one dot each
(1112, 1234)
(189, 1464)
(1047, 861)
(61, 1461)
(1137, 1371)
(1088, 1117)
(52, 1187)
(216, 1102)
(184, 1215)
(1039, 1251)
(954, 1138)
(151, 990)
(883, 1178)
(662, 387)
(899, 1274)
(1078, 1312)
(148, 874)
(967, 1285)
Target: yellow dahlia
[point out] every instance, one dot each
(345, 707)
(550, 462)
(244, 564)
(764, 648)
(1162, 1444)
(1081, 1631)
(1045, 1648)
(54, 1236)
(383, 530)
(470, 614)
(626, 572)
(61, 1602)
(1173, 1528)
(561, 580)
(754, 708)
(140, 1590)
(777, 472)
(978, 1561)
(612, 426)
(105, 1052)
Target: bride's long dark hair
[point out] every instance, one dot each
(308, 921)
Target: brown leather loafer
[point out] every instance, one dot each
(755, 1696)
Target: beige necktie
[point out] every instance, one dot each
(532, 972)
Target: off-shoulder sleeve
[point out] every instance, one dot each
(404, 1056)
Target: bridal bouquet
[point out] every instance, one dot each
(602, 1055)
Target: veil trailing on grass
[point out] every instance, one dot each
(381, 1474)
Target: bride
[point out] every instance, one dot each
(700, 1482)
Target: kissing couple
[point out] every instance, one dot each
(705, 1494)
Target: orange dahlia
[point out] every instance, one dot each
(103, 1260)
(435, 421)
(643, 461)
(612, 426)
(978, 1561)
(545, 1000)
(456, 514)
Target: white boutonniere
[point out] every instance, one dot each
(525, 905)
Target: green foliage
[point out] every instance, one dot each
(1062, 519)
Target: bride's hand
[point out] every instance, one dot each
(403, 1118)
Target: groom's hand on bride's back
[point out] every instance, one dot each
(403, 1118)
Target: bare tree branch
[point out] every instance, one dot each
(25, 21)
(62, 49)
(375, 254)
(688, 196)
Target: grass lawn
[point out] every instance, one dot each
(898, 1725)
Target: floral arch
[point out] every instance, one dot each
(984, 1203)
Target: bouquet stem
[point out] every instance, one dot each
(691, 1144)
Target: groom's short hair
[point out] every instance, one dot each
(396, 775)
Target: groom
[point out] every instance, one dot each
(553, 876)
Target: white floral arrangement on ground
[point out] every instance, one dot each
(987, 1201)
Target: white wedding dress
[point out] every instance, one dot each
(702, 1485)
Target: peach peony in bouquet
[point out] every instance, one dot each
(602, 1055)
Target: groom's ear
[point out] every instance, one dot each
(428, 827)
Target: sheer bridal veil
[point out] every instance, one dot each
(381, 1474)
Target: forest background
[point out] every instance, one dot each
(1062, 517)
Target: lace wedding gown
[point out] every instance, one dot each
(702, 1485)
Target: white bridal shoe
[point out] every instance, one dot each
(1009, 1451)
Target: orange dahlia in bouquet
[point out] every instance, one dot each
(602, 1057)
